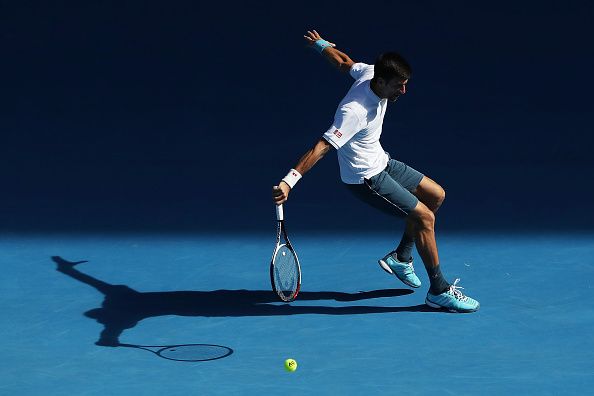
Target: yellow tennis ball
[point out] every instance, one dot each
(290, 365)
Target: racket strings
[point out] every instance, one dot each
(286, 272)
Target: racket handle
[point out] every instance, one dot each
(279, 213)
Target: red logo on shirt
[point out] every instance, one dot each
(337, 133)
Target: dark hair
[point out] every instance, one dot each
(391, 65)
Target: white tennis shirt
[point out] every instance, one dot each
(357, 128)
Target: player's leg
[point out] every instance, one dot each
(441, 293)
(412, 180)
(384, 193)
(423, 220)
(432, 195)
(425, 189)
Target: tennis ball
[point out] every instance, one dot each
(290, 365)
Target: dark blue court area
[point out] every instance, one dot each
(353, 330)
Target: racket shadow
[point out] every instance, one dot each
(123, 307)
(186, 352)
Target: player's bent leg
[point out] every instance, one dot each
(402, 201)
(423, 189)
(430, 193)
(386, 194)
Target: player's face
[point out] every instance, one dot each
(395, 88)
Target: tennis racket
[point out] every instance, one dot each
(285, 272)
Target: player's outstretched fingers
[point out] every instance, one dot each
(313, 36)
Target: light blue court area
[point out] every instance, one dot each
(354, 329)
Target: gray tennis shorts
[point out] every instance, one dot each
(390, 190)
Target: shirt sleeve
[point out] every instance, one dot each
(359, 69)
(346, 125)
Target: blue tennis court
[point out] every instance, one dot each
(352, 330)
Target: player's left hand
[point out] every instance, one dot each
(313, 36)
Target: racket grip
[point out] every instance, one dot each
(279, 213)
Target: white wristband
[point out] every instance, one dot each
(292, 178)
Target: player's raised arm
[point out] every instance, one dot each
(327, 49)
(280, 193)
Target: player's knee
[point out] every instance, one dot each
(440, 196)
(436, 198)
(422, 216)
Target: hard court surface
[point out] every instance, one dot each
(353, 330)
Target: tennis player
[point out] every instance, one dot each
(376, 179)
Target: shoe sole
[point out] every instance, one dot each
(387, 268)
(433, 305)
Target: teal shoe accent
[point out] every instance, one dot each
(453, 300)
(403, 271)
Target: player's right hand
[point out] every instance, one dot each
(280, 193)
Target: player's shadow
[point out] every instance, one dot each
(123, 307)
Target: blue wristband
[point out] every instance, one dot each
(320, 44)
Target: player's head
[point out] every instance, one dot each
(391, 73)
